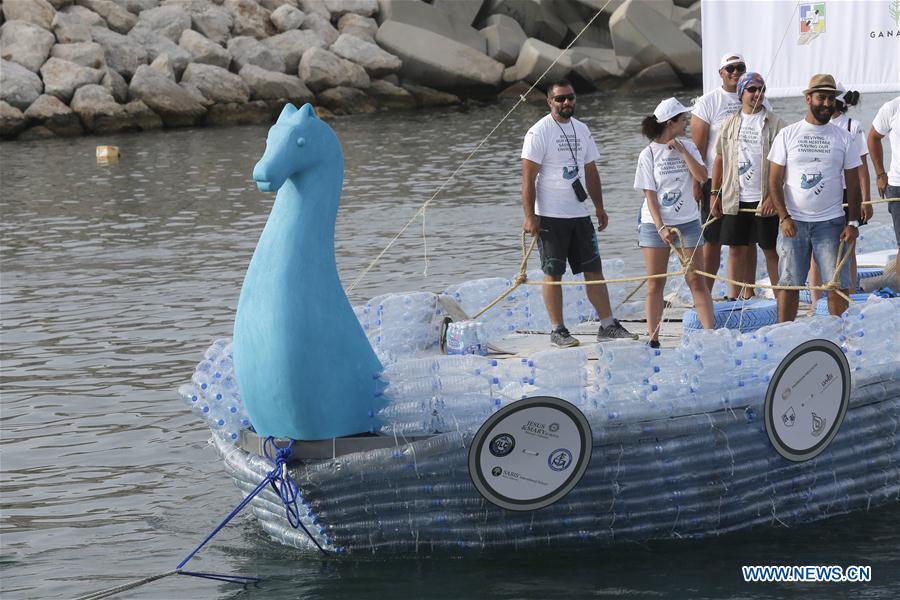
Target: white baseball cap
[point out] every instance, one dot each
(730, 58)
(669, 108)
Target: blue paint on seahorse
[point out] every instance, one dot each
(303, 364)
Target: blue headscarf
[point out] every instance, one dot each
(748, 78)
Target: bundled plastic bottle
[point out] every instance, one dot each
(466, 337)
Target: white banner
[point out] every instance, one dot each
(857, 41)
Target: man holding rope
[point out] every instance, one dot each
(805, 165)
(887, 122)
(558, 175)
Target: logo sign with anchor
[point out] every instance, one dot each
(807, 400)
(530, 453)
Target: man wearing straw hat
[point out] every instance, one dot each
(805, 166)
(558, 175)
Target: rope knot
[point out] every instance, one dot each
(280, 478)
(521, 278)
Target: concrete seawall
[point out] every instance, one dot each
(71, 67)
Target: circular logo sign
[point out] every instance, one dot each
(807, 399)
(530, 453)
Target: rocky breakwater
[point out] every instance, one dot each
(92, 66)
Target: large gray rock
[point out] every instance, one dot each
(601, 59)
(287, 17)
(97, 109)
(461, 10)
(537, 18)
(12, 120)
(373, 59)
(362, 27)
(25, 43)
(655, 77)
(136, 7)
(163, 65)
(117, 18)
(339, 8)
(156, 44)
(246, 50)
(535, 58)
(292, 44)
(59, 4)
(347, 100)
(86, 54)
(166, 98)
(170, 21)
(504, 43)
(649, 37)
(216, 83)
(50, 112)
(322, 26)
(272, 5)
(84, 14)
(139, 116)
(693, 30)
(116, 85)
(250, 19)
(693, 11)
(213, 22)
(69, 28)
(37, 12)
(18, 85)
(269, 85)
(63, 77)
(573, 15)
(436, 60)
(428, 97)
(203, 50)
(391, 96)
(123, 54)
(321, 69)
(427, 17)
(314, 6)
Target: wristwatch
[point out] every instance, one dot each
(854, 224)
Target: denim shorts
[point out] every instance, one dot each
(817, 239)
(893, 191)
(690, 235)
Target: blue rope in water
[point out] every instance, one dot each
(287, 490)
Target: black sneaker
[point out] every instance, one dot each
(615, 332)
(561, 338)
(654, 344)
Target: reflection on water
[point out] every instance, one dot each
(115, 279)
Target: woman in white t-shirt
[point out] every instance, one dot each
(840, 118)
(666, 171)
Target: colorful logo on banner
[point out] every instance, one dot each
(894, 13)
(894, 10)
(812, 22)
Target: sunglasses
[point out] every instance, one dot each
(740, 68)
(564, 97)
(754, 89)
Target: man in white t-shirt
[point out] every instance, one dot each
(887, 122)
(806, 162)
(558, 175)
(710, 112)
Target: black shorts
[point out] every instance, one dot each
(744, 229)
(713, 231)
(572, 239)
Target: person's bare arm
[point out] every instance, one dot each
(876, 153)
(595, 190)
(776, 194)
(715, 203)
(851, 177)
(866, 211)
(529, 174)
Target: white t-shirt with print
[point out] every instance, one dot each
(665, 172)
(814, 158)
(750, 156)
(887, 122)
(714, 107)
(552, 145)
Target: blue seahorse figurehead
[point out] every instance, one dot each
(304, 366)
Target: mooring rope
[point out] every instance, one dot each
(522, 98)
(287, 491)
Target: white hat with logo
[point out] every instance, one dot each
(669, 108)
(730, 58)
